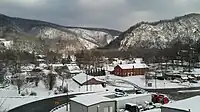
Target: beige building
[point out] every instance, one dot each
(92, 103)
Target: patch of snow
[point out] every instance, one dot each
(87, 100)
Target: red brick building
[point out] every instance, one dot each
(124, 70)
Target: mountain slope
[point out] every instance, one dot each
(55, 36)
(160, 34)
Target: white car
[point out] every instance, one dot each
(120, 94)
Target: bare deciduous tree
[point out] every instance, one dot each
(51, 80)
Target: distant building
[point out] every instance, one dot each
(186, 105)
(7, 43)
(73, 69)
(40, 58)
(137, 68)
(84, 79)
(56, 66)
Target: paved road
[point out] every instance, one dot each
(172, 90)
(44, 105)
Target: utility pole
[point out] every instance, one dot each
(67, 98)
(87, 78)
(155, 81)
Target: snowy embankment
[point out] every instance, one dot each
(141, 82)
(61, 108)
(188, 91)
(9, 97)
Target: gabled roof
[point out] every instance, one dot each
(82, 78)
(90, 99)
(73, 67)
(131, 66)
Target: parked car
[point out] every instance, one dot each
(120, 93)
(175, 81)
(138, 92)
(193, 81)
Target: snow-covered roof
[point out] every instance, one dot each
(130, 96)
(75, 71)
(43, 65)
(103, 97)
(90, 99)
(46, 72)
(2, 39)
(40, 60)
(56, 65)
(184, 78)
(138, 60)
(72, 67)
(131, 66)
(81, 77)
(41, 56)
(186, 104)
(27, 68)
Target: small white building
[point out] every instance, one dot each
(56, 65)
(73, 69)
(106, 102)
(7, 43)
(89, 83)
(92, 103)
(187, 105)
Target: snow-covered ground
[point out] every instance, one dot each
(9, 97)
(141, 82)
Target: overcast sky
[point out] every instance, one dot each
(115, 14)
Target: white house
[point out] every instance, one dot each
(73, 69)
(7, 43)
(84, 79)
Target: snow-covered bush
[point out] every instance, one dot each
(33, 93)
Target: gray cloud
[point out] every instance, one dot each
(116, 14)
